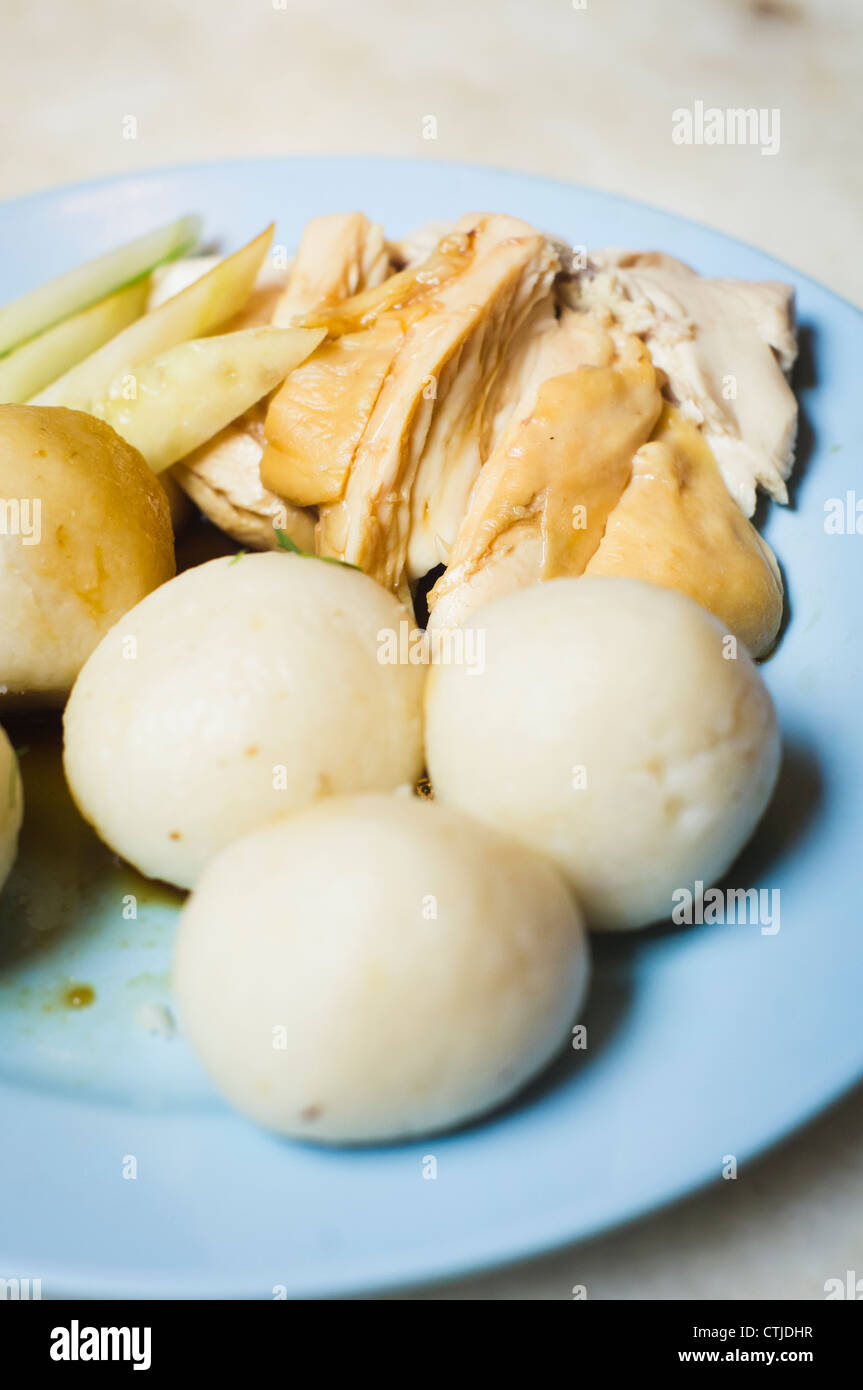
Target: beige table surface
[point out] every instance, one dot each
(583, 91)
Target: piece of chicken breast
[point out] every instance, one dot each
(540, 505)
(576, 488)
(337, 256)
(420, 450)
(725, 346)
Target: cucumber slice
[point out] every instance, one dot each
(30, 315)
(36, 363)
(169, 407)
(195, 311)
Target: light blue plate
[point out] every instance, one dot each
(704, 1042)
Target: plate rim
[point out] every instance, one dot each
(101, 181)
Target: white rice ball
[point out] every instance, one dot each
(617, 728)
(377, 967)
(245, 688)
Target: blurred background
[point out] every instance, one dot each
(578, 89)
(583, 90)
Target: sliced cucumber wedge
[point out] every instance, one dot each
(195, 311)
(168, 407)
(35, 364)
(50, 303)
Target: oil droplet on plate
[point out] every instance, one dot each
(78, 996)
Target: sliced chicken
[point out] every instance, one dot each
(547, 345)
(540, 505)
(418, 245)
(475, 400)
(223, 478)
(318, 417)
(431, 396)
(677, 526)
(478, 403)
(724, 346)
(337, 256)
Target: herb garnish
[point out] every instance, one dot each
(284, 542)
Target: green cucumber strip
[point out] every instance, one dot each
(58, 299)
(194, 312)
(35, 364)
